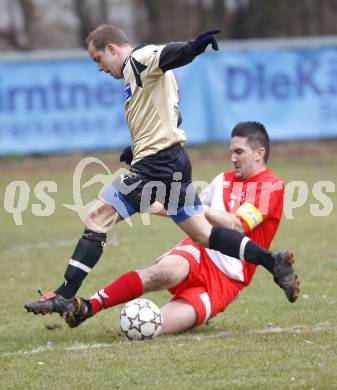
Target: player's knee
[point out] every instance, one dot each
(92, 223)
(100, 219)
(159, 275)
(92, 216)
(155, 277)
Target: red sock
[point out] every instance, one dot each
(129, 286)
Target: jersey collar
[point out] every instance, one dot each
(128, 57)
(259, 176)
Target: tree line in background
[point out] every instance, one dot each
(45, 24)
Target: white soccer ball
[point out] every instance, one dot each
(141, 319)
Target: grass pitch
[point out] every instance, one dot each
(260, 342)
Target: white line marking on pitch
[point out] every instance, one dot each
(40, 245)
(50, 347)
(50, 245)
(271, 330)
(322, 326)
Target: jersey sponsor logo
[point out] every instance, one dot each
(127, 91)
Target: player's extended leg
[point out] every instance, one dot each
(87, 253)
(167, 273)
(177, 317)
(233, 243)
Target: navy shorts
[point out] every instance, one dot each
(165, 177)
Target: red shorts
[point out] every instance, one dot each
(206, 287)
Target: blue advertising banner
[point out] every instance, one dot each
(292, 91)
(59, 105)
(67, 105)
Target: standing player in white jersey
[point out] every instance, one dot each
(159, 161)
(204, 282)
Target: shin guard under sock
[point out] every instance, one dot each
(86, 255)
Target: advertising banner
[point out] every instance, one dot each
(65, 104)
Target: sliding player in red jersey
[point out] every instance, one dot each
(204, 281)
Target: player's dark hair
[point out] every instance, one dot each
(256, 135)
(105, 34)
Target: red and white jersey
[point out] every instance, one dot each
(257, 202)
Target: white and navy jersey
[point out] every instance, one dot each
(151, 97)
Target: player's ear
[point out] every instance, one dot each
(111, 47)
(260, 153)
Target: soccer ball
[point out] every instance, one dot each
(141, 319)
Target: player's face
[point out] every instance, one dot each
(107, 60)
(246, 160)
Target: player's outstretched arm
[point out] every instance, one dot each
(178, 54)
